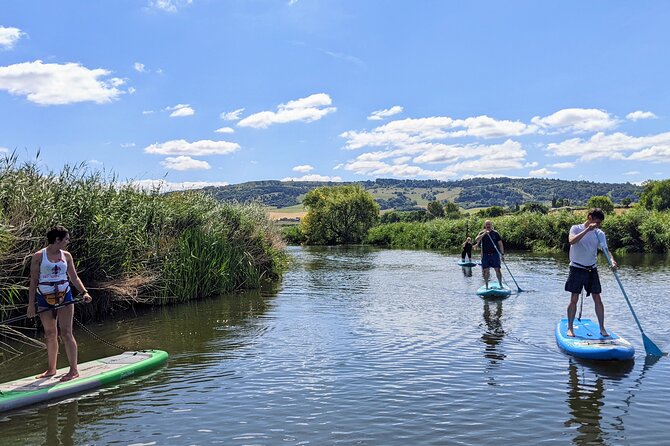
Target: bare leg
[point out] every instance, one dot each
(486, 272)
(499, 276)
(51, 340)
(600, 313)
(65, 315)
(572, 311)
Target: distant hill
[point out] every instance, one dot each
(411, 194)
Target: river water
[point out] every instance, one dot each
(362, 346)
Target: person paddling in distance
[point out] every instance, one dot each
(585, 239)
(491, 244)
(51, 271)
(467, 250)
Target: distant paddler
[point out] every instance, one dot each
(492, 249)
(467, 250)
(51, 271)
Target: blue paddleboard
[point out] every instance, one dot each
(589, 344)
(494, 291)
(466, 263)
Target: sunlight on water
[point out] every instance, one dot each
(365, 346)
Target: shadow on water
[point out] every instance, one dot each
(587, 384)
(493, 335)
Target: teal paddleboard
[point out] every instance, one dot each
(494, 291)
(92, 374)
(466, 263)
(587, 343)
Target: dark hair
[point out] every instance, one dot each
(55, 232)
(597, 213)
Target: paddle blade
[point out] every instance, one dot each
(651, 348)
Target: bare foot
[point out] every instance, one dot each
(570, 333)
(69, 377)
(604, 334)
(46, 374)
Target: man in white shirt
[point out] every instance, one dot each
(585, 239)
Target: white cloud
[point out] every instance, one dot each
(562, 165)
(185, 163)
(313, 177)
(308, 109)
(544, 172)
(139, 67)
(180, 110)
(225, 130)
(378, 115)
(147, 112)
(303, 168)
(231, 116)
(9, 37)
(196, 148)
(57, 84)
(632, 172)
(637, 115)
(166, 186)
(128, 145)
(4, 149)
(618, 146)
(576, 120)
(169, 5)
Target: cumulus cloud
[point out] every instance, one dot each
(562, 165)
(127, 145)
(225, 130)
(9, 36)
(637, 115)
(544, 172)
(139, 67)
(4, 149)
(166, 186)
(57, 84)
(147, 112)
(632, 172)
(313, 177)
(169, 5)
(180, 110)
(303, 168)
(618, 146)
(231, 116)
(185, 163)
(378, 115)
(308, 109)
(576, 120)
(196, 148)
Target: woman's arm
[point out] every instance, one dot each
(34, 280)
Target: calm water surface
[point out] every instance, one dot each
(361, 346)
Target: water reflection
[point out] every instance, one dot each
(587, 383)
(58, 434)
(494, 334)
(467, 271)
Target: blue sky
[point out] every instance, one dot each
(196, 92)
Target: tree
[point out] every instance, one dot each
(493, 211)
(656, 195)
(538, 208)
(338, 215)
(602, 202)
(435, 209)
(625, 202)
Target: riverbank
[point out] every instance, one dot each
(637, 230)
(131, 246)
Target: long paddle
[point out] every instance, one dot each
(651, 348)
(55, 307)
(518, 288)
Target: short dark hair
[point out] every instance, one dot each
(55, 232)
(597, 213)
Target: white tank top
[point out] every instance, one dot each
(53, 275)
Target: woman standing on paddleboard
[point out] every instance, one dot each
(51, 271)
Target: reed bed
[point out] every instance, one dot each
(131, 245)
(636, 230)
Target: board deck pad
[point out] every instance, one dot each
(589, 344)
(92, 374)
(494, 290)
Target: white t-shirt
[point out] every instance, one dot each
(585, 251)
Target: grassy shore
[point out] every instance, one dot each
(132, 245)
(637, 230)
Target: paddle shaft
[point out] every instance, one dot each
(55, 307)
(504, 263)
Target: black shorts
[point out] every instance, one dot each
(587, 279)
